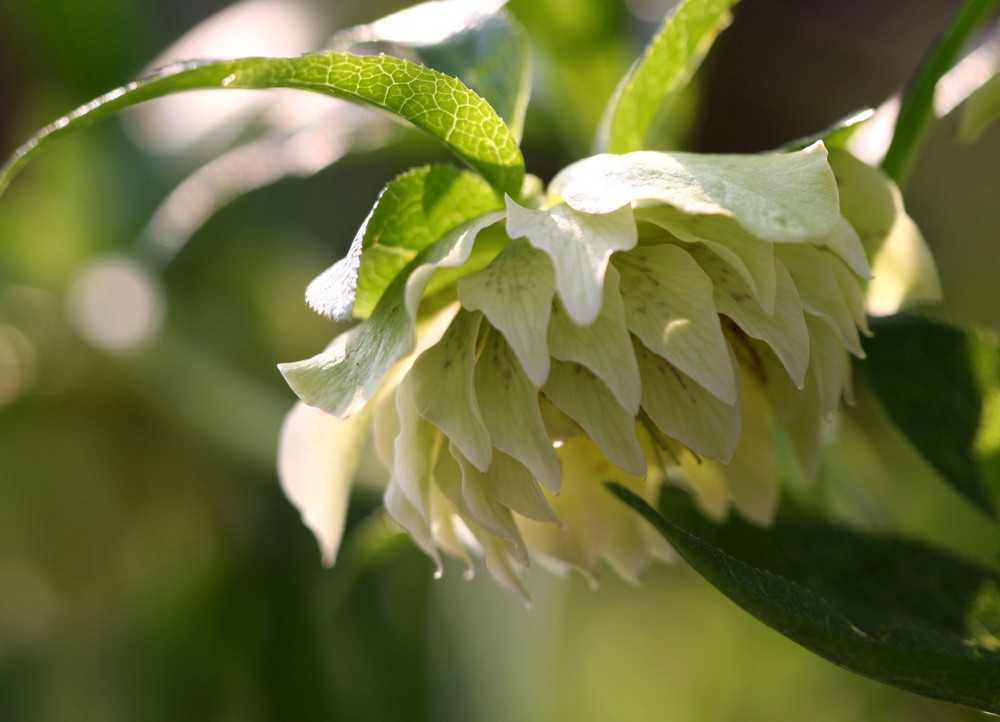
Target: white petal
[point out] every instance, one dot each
(854, 295)
(579, 245)
(509, 405)
(751, 257)
(903, 270)
(784, 330)
(413, 449)
(413, 521)
(317, 457)
(669, 306)
(510, 483)
(515, 293)
(845, 243)
(345, 376)
(444, 389)
(820, 292)
(585, 399)
(604, 346)
(827, 364)
(685, 411)
(781, 197)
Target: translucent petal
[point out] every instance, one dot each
(510, 483)
(845, 243)
(579, 245)
(784, 330)
(752, 474)
(852, 287)
(413, 521)
(344, 377)
(820, 292)
(780, 197)
(317, 457)
(604, 347)
(515, 293)
(903, 271)
(685, 411)
(669, 306)
(584, 398)
(828, 366)
(478, 506)
(749, 256)
(444, 389)
(509, 405)
(413, 449)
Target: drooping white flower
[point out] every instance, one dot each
(657, 318)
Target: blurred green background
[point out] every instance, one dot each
(150, 568)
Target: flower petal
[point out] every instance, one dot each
(344, 377)
(669, 306)
(585, 399)
(317, 457)
(784, 331)
(685, 411)
(579, 245)
(413, 449)
(846, 243)
(510, 483)
(780, 197)
(903, 271)
(509, 405)
(820, 292)
(515, 293)
(413, 521)
(604, 346)
(444, 389)
(751, 257)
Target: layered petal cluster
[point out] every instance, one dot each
(656, 318)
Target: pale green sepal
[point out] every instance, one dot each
(413, 449)
(853, 289)
(669, 306)
(580, 245)
(509, 405)
(784, 198)
(784, 330)
(515, 294)
(501, 565)
(751, 257)
(903, 271)
(510, 483)
(583, 397)
(827, 364)
(317, 457)
(820, 292)
(685, 411)
(752, 475)
(413, 522)
(480, 507)
(344, 377)
(604, 347)
(846, 243)
(444, 389)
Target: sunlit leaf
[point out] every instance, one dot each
(654, 81)
(432, 101)
(414, 210)
(896, 611)
(475, 42)
(941, 385)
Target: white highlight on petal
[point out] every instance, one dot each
(780, 197)
(669, 306)
(317, 457)
(580, 245)
(515, 293)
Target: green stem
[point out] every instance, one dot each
(916, 113)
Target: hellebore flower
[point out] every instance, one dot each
(655, 318)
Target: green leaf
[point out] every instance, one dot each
(916, 112)
(941, 385)
(981, 109)
(484, 48)
(432, 101)
(897, 611)
(413, 211)
(656, 79)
